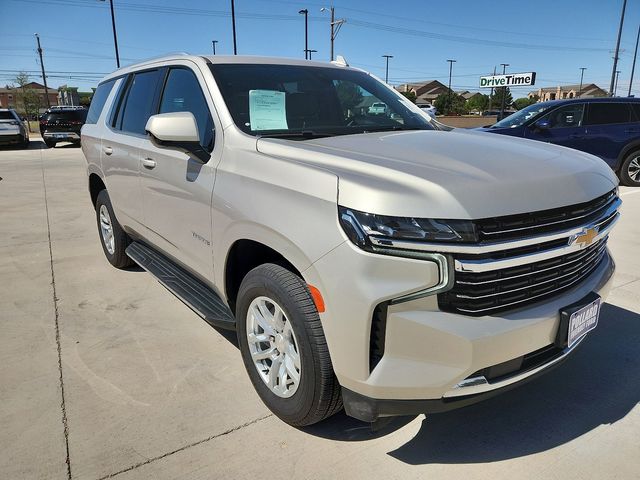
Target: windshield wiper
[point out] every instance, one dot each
(394, 128)
(304, 134)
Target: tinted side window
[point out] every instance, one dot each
(182, 93)
(636, 109)
(98, 101)
(567, 116)
(607, 113)
(139, 102)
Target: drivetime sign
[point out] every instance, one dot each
(508, 80)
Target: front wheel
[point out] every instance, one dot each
(283, 346)
(630, 170)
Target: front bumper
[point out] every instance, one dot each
(428, 353)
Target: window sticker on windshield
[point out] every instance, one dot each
(267, 110)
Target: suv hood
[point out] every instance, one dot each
(458, 174)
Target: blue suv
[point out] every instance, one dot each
(606, 127)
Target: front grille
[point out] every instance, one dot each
(546, 221)
(499, 290)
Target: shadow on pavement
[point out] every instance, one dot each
(598, 385)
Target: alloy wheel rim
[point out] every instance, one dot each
(633, 170)
(106, 229)
(273, 347)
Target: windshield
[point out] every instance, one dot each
(309, 101)
(521, 116)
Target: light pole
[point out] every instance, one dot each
(582, 69)
(615, 87)
(386, 75)
(335, 25)
(115, 36)
(310, 52)
(504, 91)
(305, 12)
(44, 77)
(233, 26)
(616, 55)
(633, 67)
(213, 44)
(451, 62)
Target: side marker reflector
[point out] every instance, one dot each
(317, 298)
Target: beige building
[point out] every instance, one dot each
(426, 92)
(589, 90)
(11, 97)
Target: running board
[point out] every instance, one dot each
(193, 292)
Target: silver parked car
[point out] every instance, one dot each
(365, 260)
(13, 130)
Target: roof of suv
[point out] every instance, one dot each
(213, 59)
(595, 100)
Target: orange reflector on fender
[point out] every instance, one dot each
(317, 297)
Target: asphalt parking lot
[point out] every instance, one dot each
(103, 373)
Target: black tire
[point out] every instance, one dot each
(630, 170)
(318, 394)
(25, 143)
(49, 143)
(118, 258)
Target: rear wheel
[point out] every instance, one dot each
(630, 170)
(283, 346)
(113, 238)
(49, 143)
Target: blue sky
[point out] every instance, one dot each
(554, 38)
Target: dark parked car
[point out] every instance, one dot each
(606, 127)
(62, 124)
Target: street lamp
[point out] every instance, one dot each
(451, 62)
(582, 69)
(305, 12)
(335, 25)
(386, 75)
(115, 36)
(504, 91)
(213, 43)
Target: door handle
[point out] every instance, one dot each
(575, 136)
(148, 163)
(107, 150)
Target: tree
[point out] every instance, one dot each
(520, 103)
(497, 97)
(28, 100)
(411, 96)
(450, 104)
(349, 95)
(477, 103)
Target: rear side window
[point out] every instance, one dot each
(97, 102)
(636, 108)
(138, 104)
(182, 93)
(608, 113)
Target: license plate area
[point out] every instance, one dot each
(577, 319)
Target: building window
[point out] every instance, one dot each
(552, 96)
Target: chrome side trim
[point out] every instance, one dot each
(489, 264)
(471, 386)
(610, 212)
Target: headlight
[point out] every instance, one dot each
(369, 231)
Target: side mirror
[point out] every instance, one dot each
(177, 130)
(542, 124)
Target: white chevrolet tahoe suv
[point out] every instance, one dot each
(370, 261)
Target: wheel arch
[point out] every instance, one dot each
(629, 148)
(96, 185)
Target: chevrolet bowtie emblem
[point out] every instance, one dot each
(584, 238)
